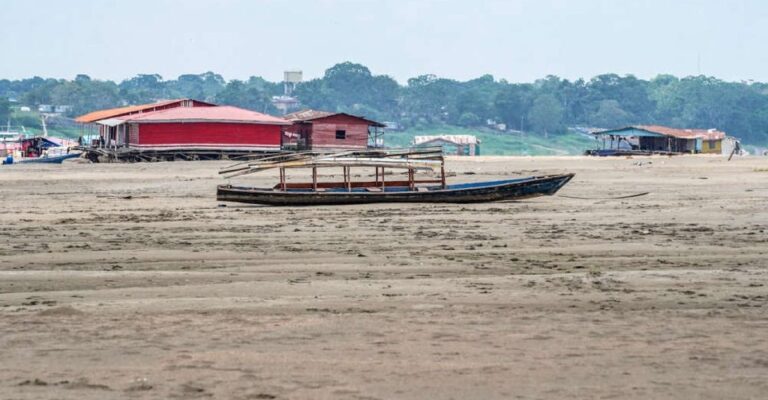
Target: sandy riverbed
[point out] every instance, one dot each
(166, 294)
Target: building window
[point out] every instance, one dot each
(341, 134)
(712, 144)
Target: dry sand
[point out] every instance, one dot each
(169, 295)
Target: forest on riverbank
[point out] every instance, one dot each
(544, 107)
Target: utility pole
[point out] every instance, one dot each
(45, 129)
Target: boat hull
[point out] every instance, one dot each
(480, 192)
(47, 160)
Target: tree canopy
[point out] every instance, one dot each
(546, 106)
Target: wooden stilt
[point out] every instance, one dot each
(411, 185)
(282, 179)
(314, 178)
(383, 184)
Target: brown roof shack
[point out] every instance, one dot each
(705, 134)
(662, 138)
(322, 130)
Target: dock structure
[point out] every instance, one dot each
(128, 154)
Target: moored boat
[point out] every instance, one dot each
(47, 159)
(380, 190)
(37, 150)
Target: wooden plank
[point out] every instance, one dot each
(329, 185)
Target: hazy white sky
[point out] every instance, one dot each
(518, 40)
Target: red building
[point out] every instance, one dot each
(321, 130)
(195, 128)
(108, 132)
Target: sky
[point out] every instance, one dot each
(516, 40)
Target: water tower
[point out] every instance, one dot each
(290, 80)
(287, 102)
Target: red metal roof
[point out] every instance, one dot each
(310, 115)
(307, 115)
(120, 111)
(206, 114)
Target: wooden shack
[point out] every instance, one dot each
(662, 139)
(322, 130)
(462, 145)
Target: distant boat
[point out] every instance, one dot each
(378, 191)
(46, 159)
(36, 149)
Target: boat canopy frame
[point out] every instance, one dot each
(412, 160)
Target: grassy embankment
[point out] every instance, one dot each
(493, 142)
(30, 124)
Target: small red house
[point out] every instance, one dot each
(216, 128)
(321, 130)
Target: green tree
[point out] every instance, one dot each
(512, 104)
(430, 99)
(240, 94)
(37, 90)
(84, 94)
(350, 87)
(197, 86)
(143, 88)
(609, 114)
(5, 110)
(469, 119)
(546, 114)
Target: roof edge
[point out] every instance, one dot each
(210, 121)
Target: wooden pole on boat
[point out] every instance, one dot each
(349, 178)
(411, 184)
(377, 175)
(282, 179)
(314, 178)
(442, 173)
(382, 179)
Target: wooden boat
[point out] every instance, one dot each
(380, 190)
(47, 159)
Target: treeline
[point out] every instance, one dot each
(545, 106)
